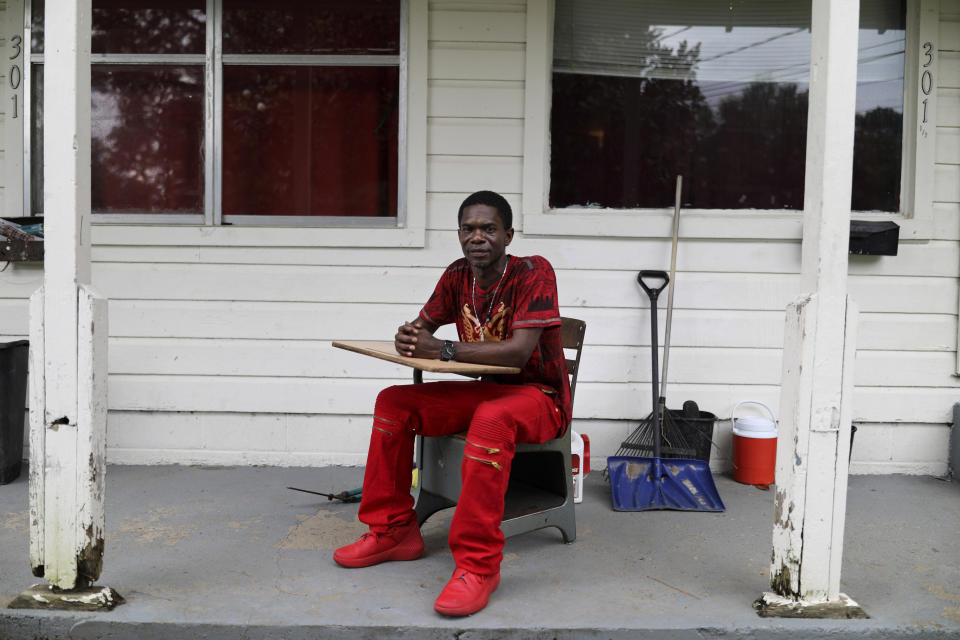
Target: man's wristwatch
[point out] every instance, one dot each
(447, 352)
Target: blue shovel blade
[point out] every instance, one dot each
(682, 484)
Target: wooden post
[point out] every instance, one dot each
(68, 331)
(819, 345)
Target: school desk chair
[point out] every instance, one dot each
(540, 493)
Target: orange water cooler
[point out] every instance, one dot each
(754, 446)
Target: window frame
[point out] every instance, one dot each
(406, 229)
(915, 218)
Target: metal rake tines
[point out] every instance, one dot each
(667, 451)
(678, 438)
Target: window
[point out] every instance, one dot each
(717, 92)
(241, 111)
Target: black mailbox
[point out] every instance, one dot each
(874, 238)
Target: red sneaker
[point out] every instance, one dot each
(399, 543)
(466, 593)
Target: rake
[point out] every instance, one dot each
(686, 433)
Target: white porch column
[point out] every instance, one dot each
(68, 332)
(816, 391)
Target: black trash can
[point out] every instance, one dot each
(13, 399)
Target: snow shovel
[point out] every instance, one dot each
(641, 483)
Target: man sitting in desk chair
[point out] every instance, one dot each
(506, 312)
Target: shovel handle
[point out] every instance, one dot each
(651, 274)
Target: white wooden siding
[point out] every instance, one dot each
(221, 354)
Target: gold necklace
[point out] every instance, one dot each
(493, 298)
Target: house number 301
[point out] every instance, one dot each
(926, 78)
(15, 75)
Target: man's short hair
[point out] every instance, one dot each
(491, 199)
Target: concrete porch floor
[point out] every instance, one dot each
(229, 552)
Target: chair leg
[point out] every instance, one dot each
(428, 504)
(433, 477)
(568, 525)
(563, 517)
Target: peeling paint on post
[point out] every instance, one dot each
(819, 338)
(68, 333)
(90, 558)
(38, 449)
(791, 469)
(68, 458)
(780, 582)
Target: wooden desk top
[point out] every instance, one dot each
(384, 350)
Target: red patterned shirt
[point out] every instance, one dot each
(526, 297)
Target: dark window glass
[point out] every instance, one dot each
(318, 141)
(137, 26)
(645, 91)
(149, 26)
(36, 138)
(36, 26)
(147, 139)
(344, 27)
(297, 140)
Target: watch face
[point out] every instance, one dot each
(446, 351)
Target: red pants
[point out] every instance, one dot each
(498, 416)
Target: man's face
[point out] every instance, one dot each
(482, 236)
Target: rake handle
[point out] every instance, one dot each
(673, 271)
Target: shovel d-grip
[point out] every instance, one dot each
(653, 274)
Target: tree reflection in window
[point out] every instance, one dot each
(167, 26)
(645, 91)
(339, 27)
(137, 26)
(300, 137)
(147, 139)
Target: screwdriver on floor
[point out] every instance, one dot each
(353, 495)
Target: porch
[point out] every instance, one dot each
(228, 552)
